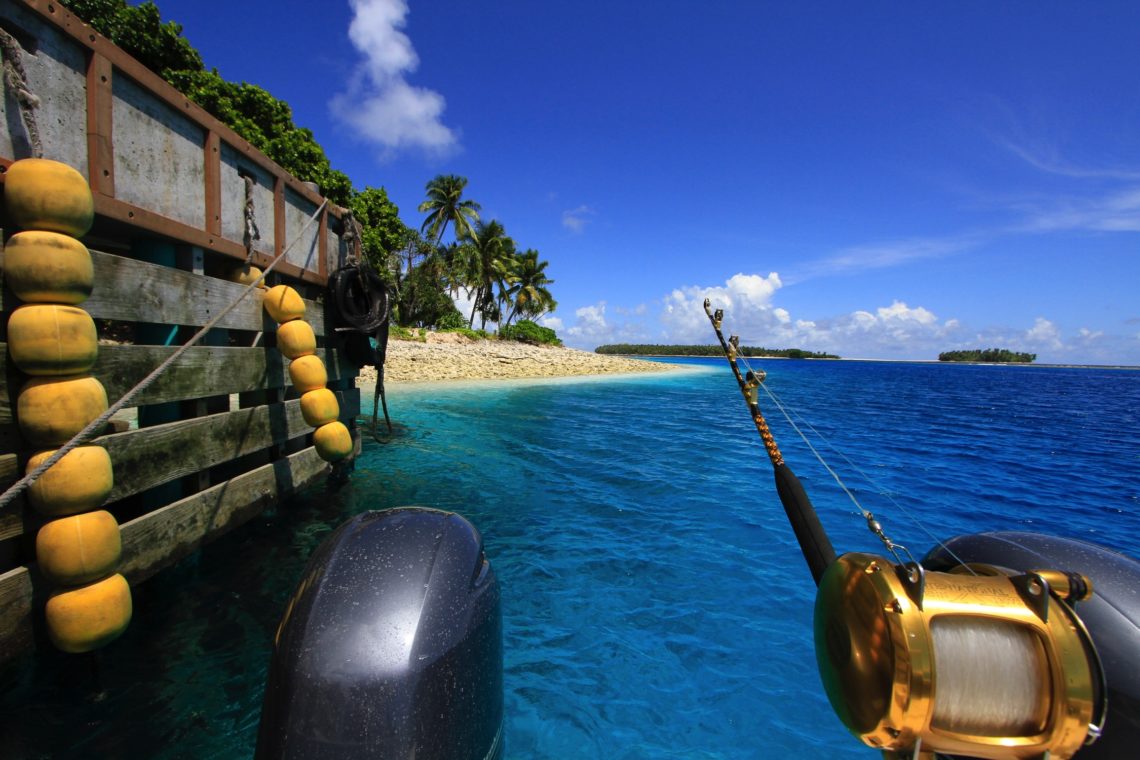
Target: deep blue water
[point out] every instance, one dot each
(655, 603)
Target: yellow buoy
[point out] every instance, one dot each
(284, 303)
(52, 339)
(86, 618)
(50, 410)
(41, 194)
(48, 267)
(333, 441)
(79, 549)
(81, 480)
(245, 276)
(308, 373)
(296, 339)
(319, 407)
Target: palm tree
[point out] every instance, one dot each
(483, 262)
(528, 294)
(444, 204)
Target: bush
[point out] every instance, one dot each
(468, 333)
(451, 320)
(526, 331)
(395, 332)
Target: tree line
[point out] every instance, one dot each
(989, 355)
(645, 349)
(504, 282)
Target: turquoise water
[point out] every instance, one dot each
(655, 603)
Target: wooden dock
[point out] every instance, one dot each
(220, 436)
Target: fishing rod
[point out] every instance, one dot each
(971, 658)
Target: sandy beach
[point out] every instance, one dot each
(449, 356)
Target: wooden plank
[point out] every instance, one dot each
(100, 143)
(16, 594)
(163, 537)
(149, 457)
(130, 290)
(200, 372)
(213, 170)
(11, 516)
(278, 217)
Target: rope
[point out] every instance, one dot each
(251, 231)
(352, 237)
(88, 432)
(17, 81)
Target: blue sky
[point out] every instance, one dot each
(884, 180)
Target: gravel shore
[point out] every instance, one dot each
(449, 356)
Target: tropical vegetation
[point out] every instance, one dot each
(988, 355)
(423, 269)
(644, 349)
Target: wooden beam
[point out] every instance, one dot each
(213, 170)
(160, 538)
(100, 129)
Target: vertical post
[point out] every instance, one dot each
(100, 142)
(213, 182)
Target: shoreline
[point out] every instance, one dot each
(450, 358)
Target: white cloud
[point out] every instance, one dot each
(554, 323)
(747, 297)
(891, 253)
(576, 219)
(1044, 333)
(379, 103)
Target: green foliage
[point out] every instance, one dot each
(642, 349)
(267, 124)
(469, 333)
(989, 355)
(526, 331)
(396, 332)
(383, 233)
(452, 321)
(424, 302)
(139, 31)
(445, 204)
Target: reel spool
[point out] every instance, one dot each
(988, 666)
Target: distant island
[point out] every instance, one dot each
(647, 349)
(988, 355)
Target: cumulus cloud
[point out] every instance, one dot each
(747, 296)
(576, 219)
(380, 104)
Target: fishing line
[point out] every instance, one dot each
(785, 408)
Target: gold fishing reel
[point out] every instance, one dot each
(985, 665)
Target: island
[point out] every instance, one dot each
(988, 355)
(652, 349)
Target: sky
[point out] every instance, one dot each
(875, 180)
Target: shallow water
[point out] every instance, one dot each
(655, 604)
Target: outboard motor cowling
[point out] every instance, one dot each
(391, 646)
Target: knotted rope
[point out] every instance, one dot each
(97, 424)
(17, 82)
(251, 231)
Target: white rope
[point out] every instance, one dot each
(88, 432)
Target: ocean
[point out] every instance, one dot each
(655, 603)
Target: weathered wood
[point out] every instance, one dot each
(200, 372)
(163, 537)
(16, 595)
(11, 516)
(149, 457)
(129, 290)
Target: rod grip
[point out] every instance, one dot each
(814, 543)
